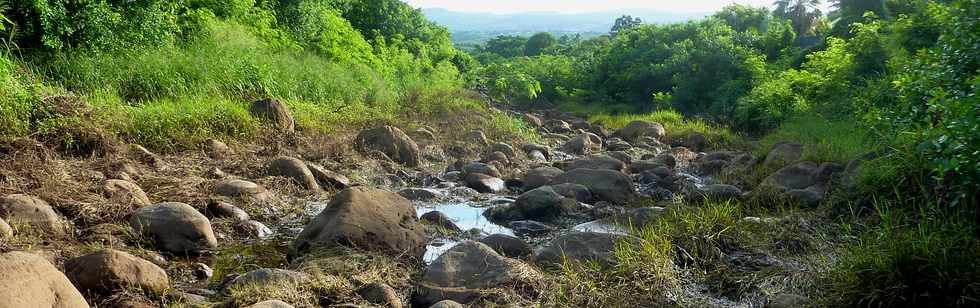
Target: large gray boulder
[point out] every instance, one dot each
(783, 153)
(175, 227)
(540, 176)
(464, 271)
(636, 129)
(294, 169)
(108, 270)
(580, 247)
(365, 218)
(598, 162)
(273, 111)
(541, 203)
(24, 211)
(31, 281)
(605, 185)
(391, 141)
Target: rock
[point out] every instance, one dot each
(504, 148)
(582, 144)
(597, 162)
(215, 173)
(365, 218)
(642, 166)
(202, 271)
(559, 138)
(537, 156)
(541, 203)
(540, 176)
(380, 294)
(328, 178)
(125, 192)
(6, 232)
(577, 192)
(272, 303)
(423, 134)
(530, 148)
(499, 157)
(439, 219)
(666, 159)
(507, 245)
(621, 156)
(783, 153)
(238, 188)
(108, 270)
(146, 156)
(580, 247)
(481, 168)
(392, 142)
(691, 140)
(218, 209)
(273, 111)
(714, 192)
(421, 194)
(294, 169)
(447, 304)
(477, 137)
(795, 176)
(786, 300)
(265, 276)
(30, 212)
(217, 149)
(31, 281)
(530, 227)
(473, 265)
(803, 182)
(176, 227)
(484, 183)
(532, 120)
(559, 126)
(428, 294)
(606, 185)
(636, 129)
(254, 229)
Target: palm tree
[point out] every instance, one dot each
(803, 13)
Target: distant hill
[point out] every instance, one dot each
(599, 22)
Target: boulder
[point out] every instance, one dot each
(125, 192)
(294, 169)
(481, 168)
(328, 178)
(597, 162)
(558, 126)
(31, 281)
(265, 276)
(617, 144)
(273, 111)
(504, 148)
(605, 185)
(30, 212)
(691, 140)
(175, 227)
(392, 142)
(636, 129)
(218, 209)
(621, 156)
(217, 149)
(530, 148)
(541, 203)
(365, 218)
(447, 304)
(582, 144)
(473, 265)
(439, 219)
(238, 188)
(484, 183)
(108, 271)
(6, 232)
(477, 137)
(580, 247)
(421, 194)
(530, 227)
(380, 294)
(272, 303)
(254, 229)
(783, 153)
(577, 192)
(714, 192)
(507, 245)
(532, 120)
(497, 156)
(540, 176)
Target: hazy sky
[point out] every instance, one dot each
(578, 6)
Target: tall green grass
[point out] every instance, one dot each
(677, 126)
(823, 140)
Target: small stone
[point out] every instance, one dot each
(380, 294)
(238, 188)
(202, 271)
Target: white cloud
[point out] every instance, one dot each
(578, 6)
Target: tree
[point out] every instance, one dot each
(742, 17)
(803, 13)
(848, 12)
(506, 46)
(624, 23)
(538, 43)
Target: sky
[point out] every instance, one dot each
(580, 6)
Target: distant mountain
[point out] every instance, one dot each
(598, 22)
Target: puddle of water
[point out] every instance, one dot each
(465, 215)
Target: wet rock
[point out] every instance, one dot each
(787, 300)
(606, 185)
(582, 144)
(447, 304)
(473, 265)
(504, 148)
(380, 294)
(481, 168)
(439, 219)
(265, 276)
(31, 281)
(580, 247)
(576, 192)
(541, 203)
(484, 183)
(530, 227)
(783, 153)
(217, 149)
(125, 192)
(272, 303)
(636, 129)
(275, 112)
(420, 194)
(218, 209)
(507, 245)
(294, 169)
(365, 218)
(238, 188)
(110, 270)
(254, 229)
(597, 162)
(540, 176)
(24, 211)
(392, 142)
(175, 227)
(327, 178)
